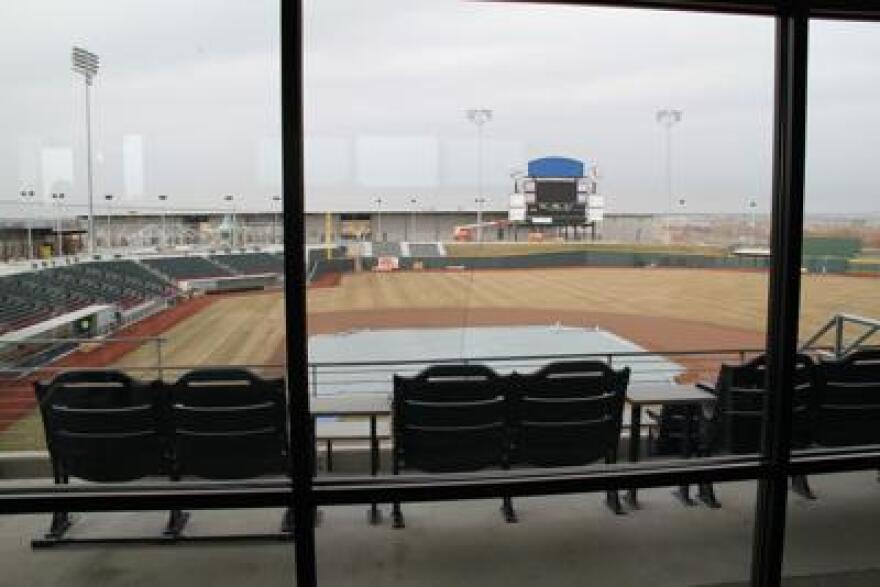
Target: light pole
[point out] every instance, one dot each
(86, 64)
(479, 116)
(229, 198)
(57, 198)
(27, 198)
(276, 206)
(753, 208)
(414, 202)
(668, 117)
(109, 198)
(479, 202)
(163, 198)
(378, 202)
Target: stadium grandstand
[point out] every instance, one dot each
(250, 263)
(30, 297)
(181, 268)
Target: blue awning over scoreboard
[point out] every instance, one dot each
(555, 167)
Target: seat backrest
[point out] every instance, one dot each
(228, 424)
(568, 413)
(849, 405)
(742, 396)
(102, 426)
(450, 418)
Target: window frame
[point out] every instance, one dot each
(305, 493)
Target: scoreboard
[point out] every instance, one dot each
(556, 201)
(558, 191)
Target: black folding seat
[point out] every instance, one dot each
(848, 411)
(450, 418)
(101, 426)
(734, 425)
(229, 424)
(569, 414)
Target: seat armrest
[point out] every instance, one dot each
(705, 386)
(653, 415)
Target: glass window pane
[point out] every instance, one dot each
(139, 253)
(830, 534)
(494, 189)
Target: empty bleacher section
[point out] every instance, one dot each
(31, 297)
(251, 263)
(183, 268)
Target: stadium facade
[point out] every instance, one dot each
(215, 229)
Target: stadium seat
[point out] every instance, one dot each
(569, 414)
(450, 418)
(848, 410)
(101, 426)
(734, 424)
(229, 424)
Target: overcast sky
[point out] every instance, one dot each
(187, 103)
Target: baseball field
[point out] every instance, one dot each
(660, 309)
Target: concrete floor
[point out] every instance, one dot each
(559, 541)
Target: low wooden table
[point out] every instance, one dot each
(662, 394)
(371, 405)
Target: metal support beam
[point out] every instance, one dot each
(302, 465)
(789, 148)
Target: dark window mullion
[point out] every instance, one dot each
(302, 456)
(789, 149)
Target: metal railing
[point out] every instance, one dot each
(867, 327)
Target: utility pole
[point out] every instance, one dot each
(229, 198)
(163, 198)
(109, 198)
(378, 202)
(276, 200)
(27, 198)
(58, 198)
(414, 203)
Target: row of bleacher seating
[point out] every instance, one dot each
(212, 424)
(230, 424)
(468, 418)
(27, 298)
(201, 267)
(836, 403)
(251, 263)
(183, 268)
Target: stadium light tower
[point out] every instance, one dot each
(163, 198)
(479, 117)
(85, 63)
(27, 198)
(668, 117)
(58, 198)
(109, 198)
